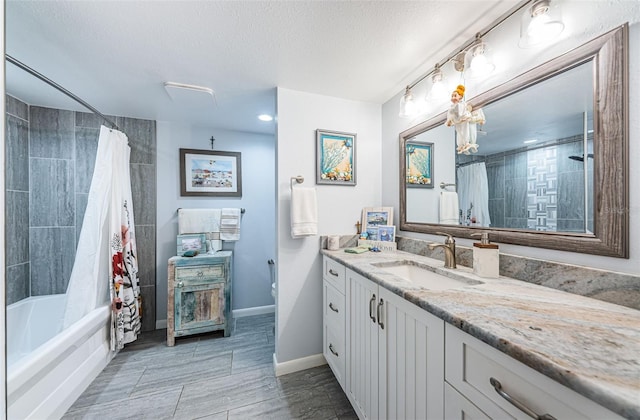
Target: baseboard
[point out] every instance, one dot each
(296, 365)
(258, 310)
(236, 313)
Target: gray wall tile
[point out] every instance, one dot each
(17, 283)
(17, 154)
(146, 252)
(81, 207)
(85, 157)
(515, 198)
(571, 195)
(17, 227)
(52, 256)
(52, 133)
(495, 178)
(496, 212)
(142, 139)
(148, 308)
(16, 107)
(91, 120)
(515, 166)
(52, 193)
(143, 188)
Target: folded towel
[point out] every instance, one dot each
(449, 209)
(304, 212)
(198, 220)
(230, 224)
(357, 250)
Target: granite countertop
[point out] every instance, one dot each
(587, 345)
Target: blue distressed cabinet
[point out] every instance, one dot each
(199, 295)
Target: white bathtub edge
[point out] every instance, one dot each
(22, 374)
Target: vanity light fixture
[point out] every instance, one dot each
(540, 23)
(408, 107)
(476, 49)
(265, 117)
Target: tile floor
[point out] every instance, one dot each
(210, 377)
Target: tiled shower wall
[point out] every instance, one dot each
(50, 156)
(540, 189)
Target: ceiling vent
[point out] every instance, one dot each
(190, 95)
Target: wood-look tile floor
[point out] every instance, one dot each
(210, 377)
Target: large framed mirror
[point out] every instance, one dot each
(552, 164)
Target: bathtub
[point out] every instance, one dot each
(47, 367)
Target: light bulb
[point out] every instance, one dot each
(408, 107)
(480, 65)
(540, 24)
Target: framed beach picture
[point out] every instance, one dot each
(210, 173)
(387, 233)
(373, 218)
(419, 164)
(336, 158)
(191, 242)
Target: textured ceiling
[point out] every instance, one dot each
(117, 54)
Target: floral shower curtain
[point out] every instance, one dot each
(123, 274)
(105, 267)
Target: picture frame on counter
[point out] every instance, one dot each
(373, 218)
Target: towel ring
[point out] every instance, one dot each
(299, 180)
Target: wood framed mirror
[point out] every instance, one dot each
(569, 190)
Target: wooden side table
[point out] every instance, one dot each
(199, 290)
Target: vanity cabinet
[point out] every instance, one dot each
(334, 318)
(474, 371)
(395, 353)
(199, 295)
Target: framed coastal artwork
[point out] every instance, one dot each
(210, 173)
(387, 233)
(419, 165)
(373, 218)
(336, 158)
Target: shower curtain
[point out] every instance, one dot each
(106, 263)
(473, 193)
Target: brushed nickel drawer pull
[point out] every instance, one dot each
(180, 284)
(333, 273)
(380, 305)
(520, 406)
(371, 302)
(332, 307)
(335, 353)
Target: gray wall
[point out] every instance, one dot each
(50, 159)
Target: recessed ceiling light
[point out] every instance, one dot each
(530, 141)
(265, 117)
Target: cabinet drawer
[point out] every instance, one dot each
(334, 353)
(334, 308)
(334, 273)
(471, 364)
(198, 273)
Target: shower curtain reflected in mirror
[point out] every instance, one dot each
(473, 195)
(106, 267)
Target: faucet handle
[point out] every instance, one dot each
(449, 239)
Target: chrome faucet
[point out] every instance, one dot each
(449, 246)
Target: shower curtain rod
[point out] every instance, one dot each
(60, 88)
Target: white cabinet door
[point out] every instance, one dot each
(411, 360)
(396, 354)
(362, 381)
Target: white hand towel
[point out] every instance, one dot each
(449, 209)
(304, 212)
(230, 224)
(198, 220)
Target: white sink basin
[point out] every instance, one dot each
(422, 276)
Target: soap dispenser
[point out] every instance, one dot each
(486, 260)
